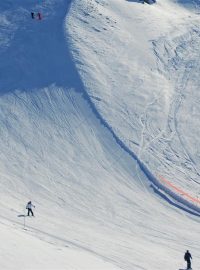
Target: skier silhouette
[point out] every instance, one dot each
(32, 15)
(188, 258)
(39, 16)
(29, 208)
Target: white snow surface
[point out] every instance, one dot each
(144, 69)
(97, 101)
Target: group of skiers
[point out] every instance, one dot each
(37, 15)
(149, 1)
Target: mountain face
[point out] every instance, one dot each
(99, 124)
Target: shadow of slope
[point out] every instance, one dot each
(142, 1)
(135, 1)
(168, 200)
(37, 55)
(194, 4)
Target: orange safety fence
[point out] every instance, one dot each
(178, 190)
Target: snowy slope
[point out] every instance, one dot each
(24, 251)
(95, 207)
(141, 63)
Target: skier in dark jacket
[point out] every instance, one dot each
(29, 208)
(188, 258)
(39, 16)
(32, 15)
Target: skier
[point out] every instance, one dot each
(39, 16)
(32, 15)
(29, 208)
(188, 258)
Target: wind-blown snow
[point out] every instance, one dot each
(95, 98)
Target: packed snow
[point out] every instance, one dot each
(99, 103)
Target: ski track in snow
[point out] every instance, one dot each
(187, 71)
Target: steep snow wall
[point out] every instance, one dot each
(135, 64)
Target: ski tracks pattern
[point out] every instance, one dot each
(179, 61)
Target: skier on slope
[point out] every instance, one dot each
(188, 258)
(39, 16)
(29, 208)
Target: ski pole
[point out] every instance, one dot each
(24, 219)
